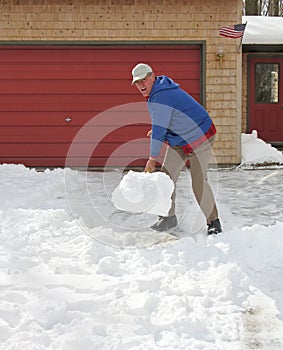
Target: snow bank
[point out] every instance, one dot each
(256, 151)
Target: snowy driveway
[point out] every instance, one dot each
(72, 278)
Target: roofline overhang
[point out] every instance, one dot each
(270, 48)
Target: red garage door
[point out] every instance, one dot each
(48, 95)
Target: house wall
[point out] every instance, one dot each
(149, 20)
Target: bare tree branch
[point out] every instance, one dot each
(263, 7)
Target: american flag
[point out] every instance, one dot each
(234, 31)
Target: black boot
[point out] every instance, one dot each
(157, 222)
(165, 223)
(214, 227)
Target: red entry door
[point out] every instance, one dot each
(266, 98)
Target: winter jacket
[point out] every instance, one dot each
(177, 118)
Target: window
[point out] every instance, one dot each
(267, 82)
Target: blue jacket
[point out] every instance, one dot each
(177, 118)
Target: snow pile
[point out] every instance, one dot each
(144, 192)
(256, 151)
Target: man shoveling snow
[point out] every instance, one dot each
(187, 128)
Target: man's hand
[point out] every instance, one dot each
(150, 165)
(149, 133)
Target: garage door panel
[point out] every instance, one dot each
(34, 87)
(107, 118)
(60, 71)
(76, 161)
(53, 134)
(163, 55)
(58, 86)
(131, 56)
(66, 69)
(137, 149)
(89, 71)
(79, 102)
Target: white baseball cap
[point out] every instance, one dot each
(140, 71)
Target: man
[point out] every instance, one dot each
(186, 127)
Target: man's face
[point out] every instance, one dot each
(145, 85)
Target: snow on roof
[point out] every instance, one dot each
(263, 30)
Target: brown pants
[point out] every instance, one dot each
(174, 162)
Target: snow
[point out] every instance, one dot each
(263, 30)
(256, 151)
(76, 273)
(144, 193)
